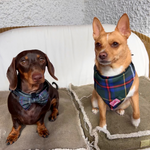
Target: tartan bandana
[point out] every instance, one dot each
(113, 90)
(26, 100)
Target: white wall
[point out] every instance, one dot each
(41, 12)
(109, 11)
(74, 12)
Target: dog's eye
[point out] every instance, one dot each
(98, 45)
(41, 59)
(115, 44)
(24, 62)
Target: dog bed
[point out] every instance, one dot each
(65, 131)
(76, 126)
(120, 133)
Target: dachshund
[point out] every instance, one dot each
(31, 95)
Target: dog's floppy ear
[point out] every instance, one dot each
(97, 28)
(123, 26)
(12, 75)
(50, 68)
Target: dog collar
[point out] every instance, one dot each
(26, 100)
(113, 90)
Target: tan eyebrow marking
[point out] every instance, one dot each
(26, 57)
(38, 56)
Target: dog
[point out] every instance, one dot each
(116, 82)
(31, 94)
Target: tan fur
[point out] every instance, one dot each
(14, 135)
(117, 57)
(42, 130)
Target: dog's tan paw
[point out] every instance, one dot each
(120, 112)
(53, 115)
(135, 122)
(95, 110)
(13, 136)
(42, 130)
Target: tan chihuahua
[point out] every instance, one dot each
(116, 82)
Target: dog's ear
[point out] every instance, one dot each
(123, 26)
(97, 28)
(12, 75)
(50, 68)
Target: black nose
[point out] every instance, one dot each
(103, 55)
(37, 76)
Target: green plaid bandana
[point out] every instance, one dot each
(26, 100)
(113, 90)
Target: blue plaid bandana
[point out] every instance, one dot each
(113, 90)
(26, 100)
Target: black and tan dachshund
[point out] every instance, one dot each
(31, 94)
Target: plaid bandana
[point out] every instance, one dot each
(26, 100)
(113, 90)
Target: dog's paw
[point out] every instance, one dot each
(12, 138)
(53, 116)
(135, 122)
(13, 135)
(104, 127)
(95, 110)
(120, 112)
(43, 132)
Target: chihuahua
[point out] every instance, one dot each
(116, 82)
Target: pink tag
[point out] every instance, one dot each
(114, 102)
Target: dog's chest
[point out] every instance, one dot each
(115, 89)
(109, 71)
(32, 115)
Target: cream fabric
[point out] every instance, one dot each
(69, 48)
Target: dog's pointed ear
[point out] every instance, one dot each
(97, 28)
(50, 67)
(12, 75)
(123, 26)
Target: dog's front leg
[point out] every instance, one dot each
(41, 129)
(136, 110)
(135, 102)
(15, 132)
(54, 110)
(97, 102)
(102, 111)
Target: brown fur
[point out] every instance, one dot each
(31, 66)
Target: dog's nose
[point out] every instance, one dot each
(103, 55)
(36, 76)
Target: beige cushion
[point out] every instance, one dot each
(120, 133)
(65, 132)
(77, 127)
